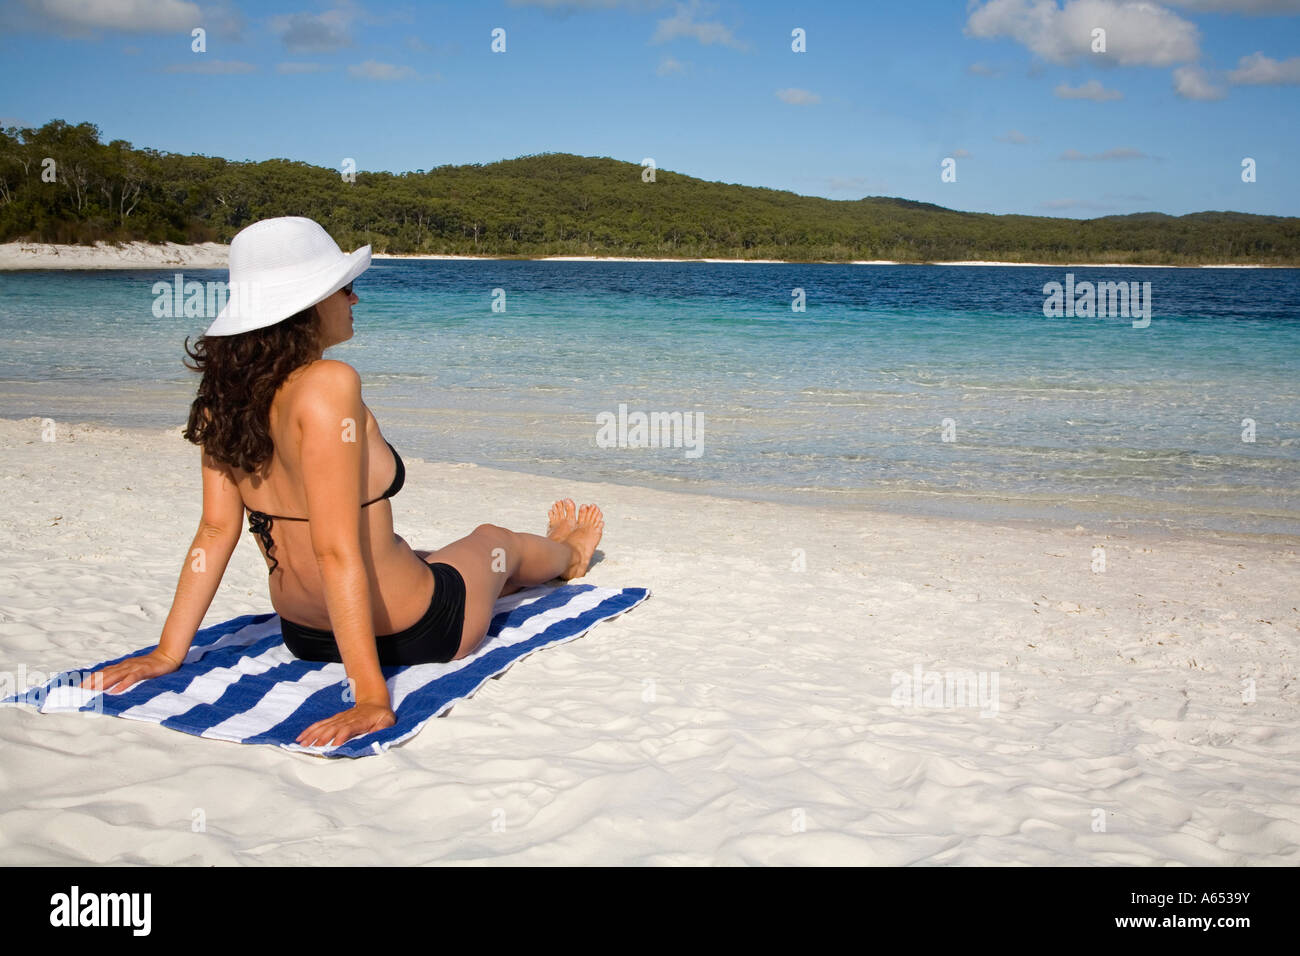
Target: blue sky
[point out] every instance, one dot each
(1037, 121)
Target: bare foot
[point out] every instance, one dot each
(562, 520)
(583, 540)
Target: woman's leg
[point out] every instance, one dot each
(495, 560)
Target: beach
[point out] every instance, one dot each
(215, 255)
(940, 395)
(764, 707)
(103, 255)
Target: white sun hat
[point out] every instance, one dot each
(280, 266)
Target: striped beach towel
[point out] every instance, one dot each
(239, 682)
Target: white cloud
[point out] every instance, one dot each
(570, 5)
(683, 24)
(858, 185)
(1194, 83)
(1238, 6)
(960, 154)
(848, 184)
(317, 32)
(981, 69)
(1259, 70)
(1091, 204)
(1014, 136)
(669, 65)
(1120, 152)
(374, 70)
(129, 16)
(798, 97)
(1092, 90)
(223, 19)
(290, 68)
(1138, 33)
(214, 67)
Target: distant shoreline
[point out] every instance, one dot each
(847, 262)
(16, 256)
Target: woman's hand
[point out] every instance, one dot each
(133, 669)
(359, 719)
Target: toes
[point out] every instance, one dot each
(561, 515)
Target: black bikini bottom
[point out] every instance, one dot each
(433, 639)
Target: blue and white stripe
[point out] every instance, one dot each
(240, 683)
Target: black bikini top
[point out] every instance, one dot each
(259, 522)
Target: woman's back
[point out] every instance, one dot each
(399, 585)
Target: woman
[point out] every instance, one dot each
(285, 434)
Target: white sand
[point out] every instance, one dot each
(430, 257)
(1091, 265)
(214, 255)
(742, 715)
(128, 255)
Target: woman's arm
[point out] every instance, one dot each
(205, 564)
(332, 426)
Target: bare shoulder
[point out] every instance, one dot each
(327, 393)
(331, 375)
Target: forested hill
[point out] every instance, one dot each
(561, 204)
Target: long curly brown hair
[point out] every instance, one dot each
(231, 414)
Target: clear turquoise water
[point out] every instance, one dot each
(1065, 419)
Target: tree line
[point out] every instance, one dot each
(61, 184)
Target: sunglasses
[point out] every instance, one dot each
(347, 289)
